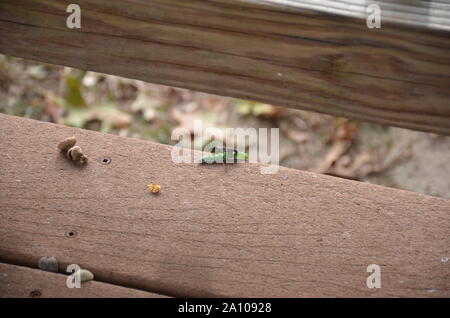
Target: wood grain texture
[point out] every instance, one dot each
(25, 282)
(431, 14)
(211, 233)
(304, 59)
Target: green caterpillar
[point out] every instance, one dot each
(224, 157)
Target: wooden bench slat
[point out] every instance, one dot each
(396, 75)
(25, 282)
(211, 233)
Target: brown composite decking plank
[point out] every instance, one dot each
(24, 282)
(268, 51)
(211, 232)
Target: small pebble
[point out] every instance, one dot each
(48, 264)
(75, 154)
(86, 275)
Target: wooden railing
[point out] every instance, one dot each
(271, 51)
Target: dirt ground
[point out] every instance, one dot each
(388, 156)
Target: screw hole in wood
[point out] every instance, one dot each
(71, 234)
(35, 293)
(105, 160)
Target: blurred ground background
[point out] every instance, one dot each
(350, 149)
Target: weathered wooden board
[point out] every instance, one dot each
(22, 282)
(429, 14)
(262, 50)
(211, 233)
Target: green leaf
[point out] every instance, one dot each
(74, 96)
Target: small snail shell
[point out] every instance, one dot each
(74, 153)
(86, 275)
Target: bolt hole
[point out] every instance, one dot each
(71, 234)
(106, 161)
(35, 293)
